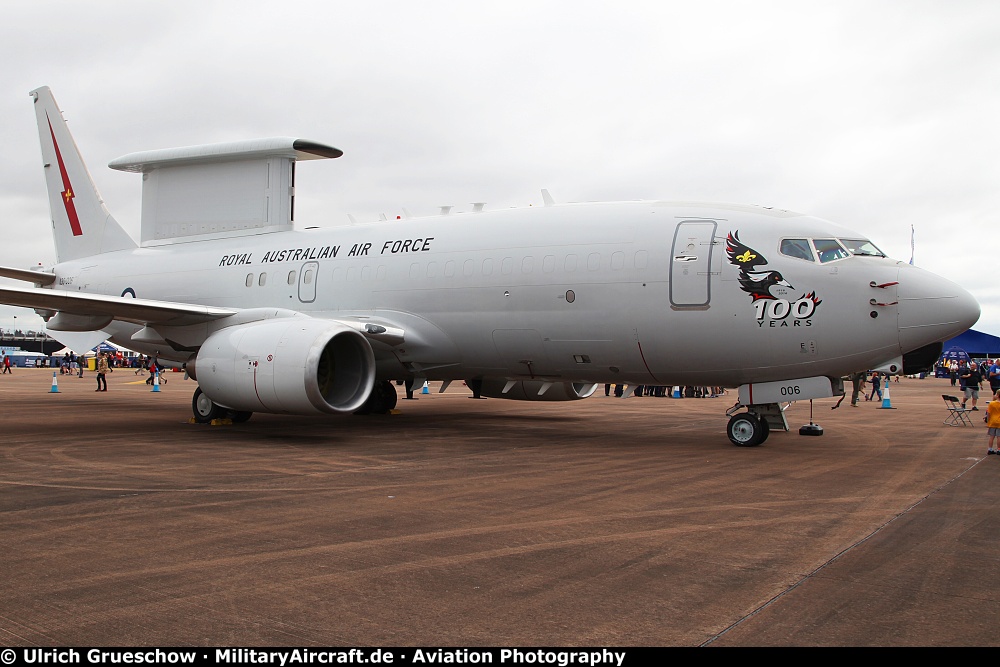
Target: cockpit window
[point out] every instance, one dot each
(829, 250)
(797, 248)
(862, 247)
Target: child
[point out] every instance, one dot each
(993, 421)
(876, 386)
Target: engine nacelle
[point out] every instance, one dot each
(536, 390)
(296, 365)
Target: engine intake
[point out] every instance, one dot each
(295, 365)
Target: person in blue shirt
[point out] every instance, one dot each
(876, 381)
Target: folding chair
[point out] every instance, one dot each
(957, 415)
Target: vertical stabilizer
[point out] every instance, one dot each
(81, 224)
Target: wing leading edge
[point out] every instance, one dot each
(101, 309)
(137, 311)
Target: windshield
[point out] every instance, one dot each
(862, 247)
(829, 250)
(797, 248)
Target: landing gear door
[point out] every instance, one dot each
(690, 264)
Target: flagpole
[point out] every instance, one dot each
(911, 245)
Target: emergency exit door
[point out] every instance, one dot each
(307, 282)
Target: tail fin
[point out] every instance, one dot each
(81, 224)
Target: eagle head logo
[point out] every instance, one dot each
(754, 278)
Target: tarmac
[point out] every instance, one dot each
(457, 522)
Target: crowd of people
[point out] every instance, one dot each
(664, 391)
(105, 362)
(970, 375)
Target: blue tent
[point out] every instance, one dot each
(976, 343)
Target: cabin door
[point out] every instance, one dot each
(690, 264)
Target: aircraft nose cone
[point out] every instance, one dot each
(931, 308)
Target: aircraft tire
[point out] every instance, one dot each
(746, 430)
(765, 428)
(381, 401)
(203, 408)
(239, 416)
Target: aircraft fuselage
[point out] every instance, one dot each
(638, 292)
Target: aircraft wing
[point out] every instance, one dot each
(138, 311)
(101, 309)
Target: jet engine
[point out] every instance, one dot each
(295, 365)
(536, 390)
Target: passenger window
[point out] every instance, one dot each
(249, 279)
(291, 277)
(262, 280)
(797, 248)
(829, 250)
(307, 278)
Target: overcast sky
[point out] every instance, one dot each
(878, 115)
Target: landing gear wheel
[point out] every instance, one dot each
(381, 401)
(746, 430)
(203, 408)
(238, 417)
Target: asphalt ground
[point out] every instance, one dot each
(457, 522)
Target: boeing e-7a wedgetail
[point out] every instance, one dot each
(542, 303)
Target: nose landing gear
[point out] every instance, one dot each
(746, 429)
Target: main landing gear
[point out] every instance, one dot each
(205, 410)
(381, 401)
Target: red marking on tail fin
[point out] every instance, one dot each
(67, 194)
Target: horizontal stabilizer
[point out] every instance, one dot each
(28, 275)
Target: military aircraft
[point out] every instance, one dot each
(536, 304)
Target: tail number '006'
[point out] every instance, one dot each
(792, 390)
(779, 309)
